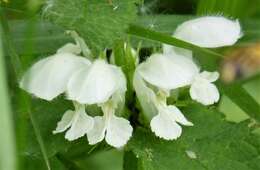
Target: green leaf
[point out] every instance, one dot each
(7, 144)
(100, 22)
(44, 117)
(130, 161)
(211, 144)
(242, 98)
(34, 163)
(45, 37)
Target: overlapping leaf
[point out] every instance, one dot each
(100, 22)
(211, 144)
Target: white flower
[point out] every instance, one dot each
(209, 32)
(173, 71)
(175, 68)
(115, 130)
(105, 85)
(156, 72)
(78, 122)
(48, 77)
(202, 90)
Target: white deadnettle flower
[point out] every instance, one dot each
(175, 68)
(209, 32)
(174, 71)
(105, 85)
(48, 77)
(158, 71)
(78, 121)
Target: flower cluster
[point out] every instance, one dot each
(85, 83)
(174, 68)
(97, 82)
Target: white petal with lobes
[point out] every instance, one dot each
(204, 92)
(48, 77)
(78, 122)
(165, 128)
(118, 132)
(97, 134)
(81, 125)
(165, 123)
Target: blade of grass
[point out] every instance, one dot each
(16, 63)
(167, 39)
(17, 66)
(242, 99)
(40, 140)
(7, 142)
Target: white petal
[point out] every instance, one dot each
(204, 92)
(177, 115)
(97, 134)
(168, 72)
(65, 122)
(118, 97)
(70, 48)
(145, 96)
(210, 31)
(118, 132)
(165, 128)
(210, 76)
(48, 77)
(82, 124)
(93, 85)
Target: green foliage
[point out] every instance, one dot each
(212, 143)
(100, 22)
